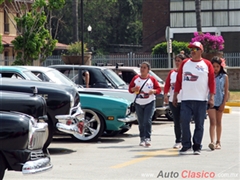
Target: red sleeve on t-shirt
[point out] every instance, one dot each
(167, 82)
(155, 85)
(178, 84)
(211, 77)
(132, 84)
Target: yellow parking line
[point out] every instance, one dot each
(131, 162)
(147, 155)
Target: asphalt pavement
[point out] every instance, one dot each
(120, 157)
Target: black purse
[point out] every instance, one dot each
(132, 106)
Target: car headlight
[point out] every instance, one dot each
(128, 111)
(71, 101)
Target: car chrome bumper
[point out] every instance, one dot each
(130, 118)
(36, 166)
(75, 118)
(161, 108)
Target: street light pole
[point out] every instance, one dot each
(82, 29)
(89, 31)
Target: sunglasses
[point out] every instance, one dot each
(195, 49)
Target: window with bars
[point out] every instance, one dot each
(6, 22)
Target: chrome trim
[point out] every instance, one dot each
(76, 117)
(37, 155)
(36, 166)
(76, 110)
(161, 108)
(70, 129)
(38, 136)
(132, 117)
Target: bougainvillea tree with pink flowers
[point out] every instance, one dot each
(211, 43)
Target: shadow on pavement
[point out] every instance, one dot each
(69, 139)
(116, 147)
(60, 151)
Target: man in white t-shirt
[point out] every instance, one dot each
(196, 79)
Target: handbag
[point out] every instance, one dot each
(132, 106)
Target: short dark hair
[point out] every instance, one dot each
(147, 63)
(181, 56)
(218, 60)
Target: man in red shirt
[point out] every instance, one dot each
(196, 80)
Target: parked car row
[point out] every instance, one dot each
(122, 77)
(38, 102)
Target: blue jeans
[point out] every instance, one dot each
(197, 109)
(144, 114)
(176, 119)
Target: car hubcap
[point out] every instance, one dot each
(89, 127)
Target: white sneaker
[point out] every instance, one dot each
(177, 146)
(142, 143)
(147, 142)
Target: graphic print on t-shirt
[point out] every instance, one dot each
(143, 95)
(172, 86)
(200, 68)
(188, 76)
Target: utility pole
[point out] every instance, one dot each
(75, 20)
(82, 31)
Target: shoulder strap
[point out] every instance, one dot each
(141, 88)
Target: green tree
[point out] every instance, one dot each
(1, 46)
(161, 48)
(112, 21)
(34, 40)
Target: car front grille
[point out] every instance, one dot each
(39, 136)
(37, 155)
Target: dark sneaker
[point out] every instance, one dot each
(185, 151)
(197, 152)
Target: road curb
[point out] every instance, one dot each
(233, 104)
(227, 110)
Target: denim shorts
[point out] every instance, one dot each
(214, 107)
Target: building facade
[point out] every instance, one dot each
(8, 28)
(220, 17)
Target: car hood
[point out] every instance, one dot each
(122, 95)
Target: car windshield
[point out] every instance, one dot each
(59, 78)
(30, 76)
(152, 74)
(114, 77)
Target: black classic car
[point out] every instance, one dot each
(100, 77)
(21, 144)
(31, 104)
(63, 103)
(28, 103)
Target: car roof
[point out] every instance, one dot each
(9, 68)
(77, 66)
(122, 67)
(37, 68)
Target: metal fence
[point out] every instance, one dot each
(130, 59)
(232, 59)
